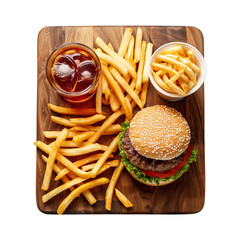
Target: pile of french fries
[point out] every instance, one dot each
(175, 70)
(124, 79)
(123, 85)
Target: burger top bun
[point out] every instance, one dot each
(159, 132)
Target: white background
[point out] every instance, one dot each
(20, 23)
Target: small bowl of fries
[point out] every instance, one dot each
(177, 70)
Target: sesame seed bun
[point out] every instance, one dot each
(159, 132)
(152, 184)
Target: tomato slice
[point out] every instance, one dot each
(173, 171)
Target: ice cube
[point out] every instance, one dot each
(86, 70)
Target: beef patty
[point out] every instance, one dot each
(145, 163)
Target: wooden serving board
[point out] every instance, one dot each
(187, 194)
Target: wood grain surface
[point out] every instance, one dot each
(187, 194)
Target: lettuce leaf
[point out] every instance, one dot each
(142, 176)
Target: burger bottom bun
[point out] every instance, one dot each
(153, 184)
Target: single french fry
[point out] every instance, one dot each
(144, 93)
(117, 90)
(138, 45)
(62, 121)
(88, 120)
(174, 49)
(140, 66)
(112, 163)
(107, 93)
(65, 203)
(104, 86)
(89, 197)
(82, 136)
(123, 199)
(83, 150)
(129, 53)
(52, 155)
(104, 157)
(149, 51)
(111, 130)
(125, 86)
(67, 144)
(99, 96)
(125, 42)
(192, 75)
(54, 134)
(128, 105)
(47, 149)
(174, 56)
(72, 111)
(109, 193)
(113, 101)
(77, 128)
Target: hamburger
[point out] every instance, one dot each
(155, 146)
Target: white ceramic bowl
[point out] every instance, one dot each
(200, 62)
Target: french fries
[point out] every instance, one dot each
(65, 203)
(128, 89)
(71, 183)
(123, 84)
(67, 163)
(117, 90)
(175, 71)
(80, 163)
